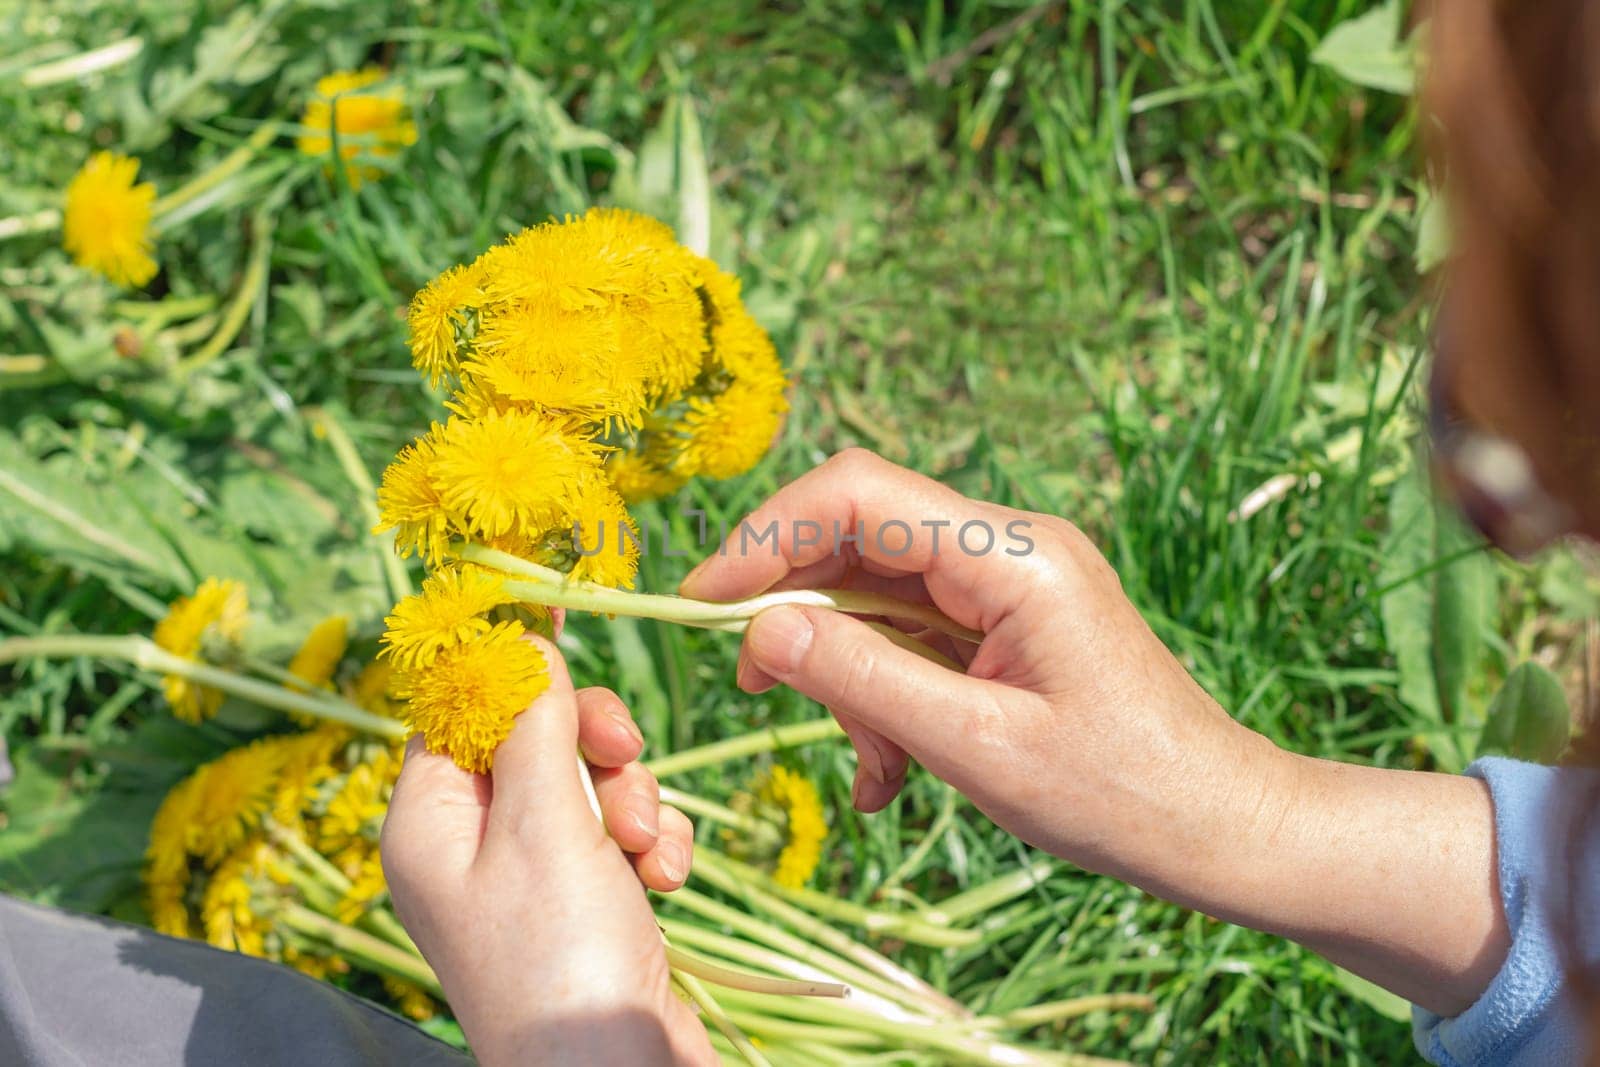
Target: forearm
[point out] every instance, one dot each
(1388, 873)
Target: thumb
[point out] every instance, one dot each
(535, 772)
(856, 671)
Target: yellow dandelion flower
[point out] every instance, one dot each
(367, 887)
(319, 656)
(725, 435)
(233, 792)
(310, 964)
(637, 477)
(369, 690)
(228, 909)
(805, 826)
(605, 538)
(359, 804)
(369, 123)
(464, 702)
(536, 354)
(308, 762)
(505, 472)
(105, 223)
(448, 612)
(409, 502)
(214, 614)
(168, 910)
(436, 316)
(413, 1002)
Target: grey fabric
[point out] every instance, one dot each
(77, 991)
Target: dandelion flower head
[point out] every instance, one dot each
(105, 223)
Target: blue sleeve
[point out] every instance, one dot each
(1547, 845)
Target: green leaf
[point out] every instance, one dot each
(1529, 718)
(1370, 51)
(1436, 617)
(1433, 234)
(1387, 1004)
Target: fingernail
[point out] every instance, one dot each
(641, 811)
(871, 759)
(673, 863)
(778, 639)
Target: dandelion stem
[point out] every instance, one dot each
(554, 589)
(713, 1011)
(225, 168)
(727, 977)
(34, 222)
(233, 319)
(774, 739)
(702, 808)
(375, 952)
(147, 655)
(344, 450)
(723, 871)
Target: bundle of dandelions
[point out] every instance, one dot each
(592, 363)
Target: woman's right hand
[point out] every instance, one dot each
(1073, 727)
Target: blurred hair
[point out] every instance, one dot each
(1513, 123)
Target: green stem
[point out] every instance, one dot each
(233, 319)
(765, 833)
(811, 953)
(555, 589)
(729, 978)
(344, 450)
(82, 64)
(980, 900)
(34, 222)
(713, 1011)
(147, 655)
(774, 739)
(723, 871)
(377, 954)
(1057, 1010)
(225, 168)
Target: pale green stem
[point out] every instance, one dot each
(809, 952)
(344, 450)
(87, 530)
(724, 871)
(83, 64)
(1057, 1010)
(379, 920)
(980, 900)
(963, 1039)
(233, 319)
(558, 590)
(713, 1011)
(33, 222)
(147, 655)
(161, 312)
(221, 171)
(689, 963)
(763, 832)
(820, 932)
(776, 739)
(376, 953)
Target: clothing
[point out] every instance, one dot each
(1547, 840)
(78, 991)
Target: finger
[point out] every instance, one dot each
(630, 802)
(436, 815)
(879, 758)
(606, 732)
(930, 712)
(665, 866)
(974, 556)
(870, 795)
(537, 789)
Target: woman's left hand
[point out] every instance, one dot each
(534, 919)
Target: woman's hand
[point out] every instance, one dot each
(533, 917)
(1076, 729)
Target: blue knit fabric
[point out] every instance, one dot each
(1548, 849)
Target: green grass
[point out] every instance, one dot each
(1125, 263)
